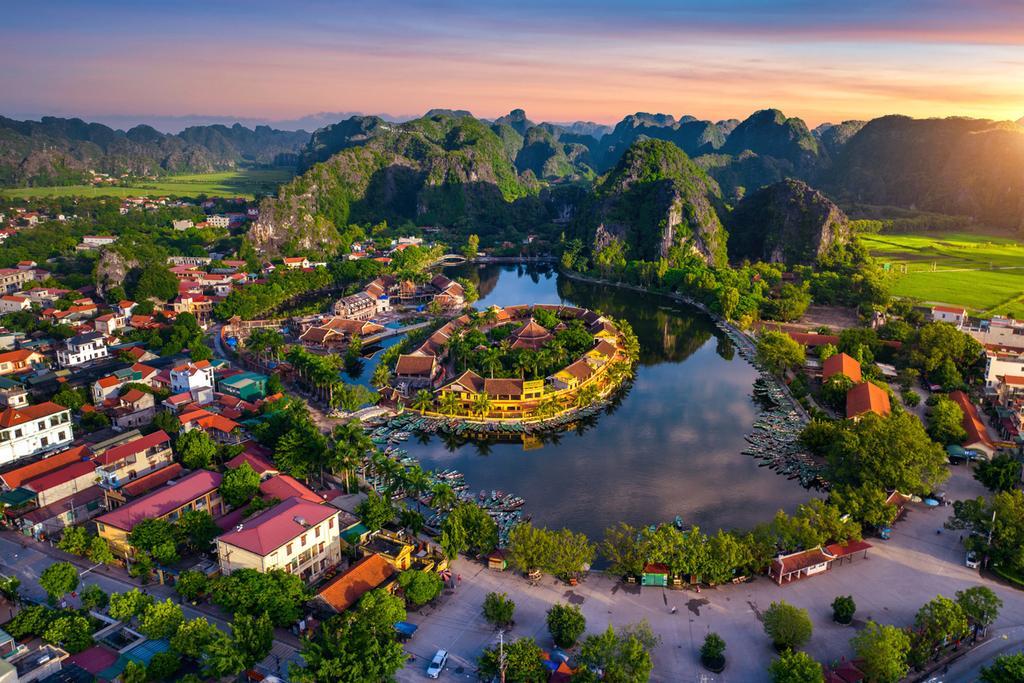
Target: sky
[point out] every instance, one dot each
(598, 60)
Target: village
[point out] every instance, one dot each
(206, 470)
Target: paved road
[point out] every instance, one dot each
(968, 667)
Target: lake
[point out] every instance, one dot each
(670, 446)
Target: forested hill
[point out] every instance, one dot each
(56, 151)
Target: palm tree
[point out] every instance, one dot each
(450, 403)
(411, 520)
(482, 404)
(586, 395)
(444, 497)
(417, 482)
(423, 401)
(547, 407)
(381, 376)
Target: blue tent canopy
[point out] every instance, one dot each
(406, 629)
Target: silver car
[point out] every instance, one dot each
(437, 664)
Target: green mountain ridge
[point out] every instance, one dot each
(58, 151)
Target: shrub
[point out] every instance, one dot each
(566, 624)
(712, 652)
(843, 609)
(498, 609)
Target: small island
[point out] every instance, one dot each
(519, 364)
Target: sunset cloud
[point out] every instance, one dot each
(593, 60)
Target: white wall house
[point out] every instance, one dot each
(954, 315)
(998, 366)
(83, 349)
(32, 430)
(191, 377)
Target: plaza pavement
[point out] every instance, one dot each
(888, 586)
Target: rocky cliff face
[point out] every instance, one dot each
(656, 198)
(786, 222)
(112, 268)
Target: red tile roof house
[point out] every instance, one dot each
(197, 491)
(284, 486)
(841, 364)
(133, 459)
(867, 398)
(301, 537)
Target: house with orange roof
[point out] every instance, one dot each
(283, 487)
(345, 589)
(865, 398)
(841, 364)
(11, 303)
(954, 315)
(133, 459)
(20, 360)
(977, 434)
(109, 323)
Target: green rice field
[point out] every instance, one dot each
(244, 182)
(981, 272)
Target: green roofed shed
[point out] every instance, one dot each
(18, 497)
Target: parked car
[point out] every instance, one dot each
(972, 560)
(437, 664)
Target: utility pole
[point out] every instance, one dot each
(501, 655)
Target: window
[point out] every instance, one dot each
(17, 433)
(44, 442)
(316, 532)
(60, 435)
(288, 549)
(330, 523)
(302, 540)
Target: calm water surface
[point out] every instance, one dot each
(671, 446)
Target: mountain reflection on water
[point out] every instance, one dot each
(669, 445)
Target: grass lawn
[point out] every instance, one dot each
(244, 182)
(981, 272)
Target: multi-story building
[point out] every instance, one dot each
(359, 306)
(197, 491)
(110, 323)
(11, 279)
(83, 349)
(132, 459)
(192, 377)
(105, 387)
(33, 430)
(300, 537)
(10, 303)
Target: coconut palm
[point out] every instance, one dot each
(482, 404)
(381, 376)
(444, 497)
(586, 395)
(547, 407)
(423, 401)
(450, 403)
(417, 482)
(490, 361)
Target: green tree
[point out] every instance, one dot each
(134, 672)
(622, 657)
(156, 537)
(472, 246)
(843, 609)
(93, 597)
(163, 666)
(9, 586)
(883, 652)
(167, 421)
(75, 540)
(239, 485)
(32, 620)
(192, 584)
(420, 587)
(835, 389)
(124, 606)
(945, 422)
(938, 621)
(625, 548)
(1001, 473)
(375, 511)
(468, 528)
(197, 529)
(157, 282)
(192, 637)
(196, 449)
(253, 636)
(571, 553)
(161, 620)
(99, 551)
(338, 653)
(59, 579)
(70, 631)
(222, 658)
(566, 624)
(69, 398)
(276, 593)
(1004, 669)
(795, 666)
(980, 605)
(529, 547)
(523, 662)
(865, 504)
(778, 352)
(789, 627)
(498, 609)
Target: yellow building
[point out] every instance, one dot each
(396, 551)
(197, 491)
(298, 536)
